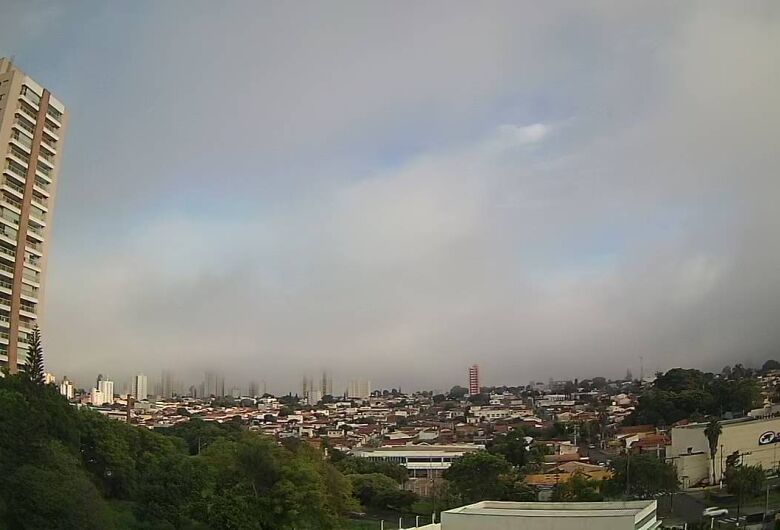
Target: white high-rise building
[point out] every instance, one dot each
(106, 387)
(96, 397)
(140, 387)
(359, 388)
(66, 388)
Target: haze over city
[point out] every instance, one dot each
(396, 191)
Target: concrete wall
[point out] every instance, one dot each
(455, 521)
(690, 449)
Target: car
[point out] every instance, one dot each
(714, 511)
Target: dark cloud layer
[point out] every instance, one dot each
(396, 191)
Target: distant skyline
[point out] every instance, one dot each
(396, 191)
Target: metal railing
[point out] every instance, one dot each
(12, 201)
(13, 185)
(30, 308)
(7, 252)
(41, 183)
(16, 169)
(9, 216)
(22, 123)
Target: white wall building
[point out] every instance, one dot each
(96, 397)
(422, 461)
(140, 389)
(359, 388)
(106, 387)
(494, 515)
(66, 388)
(756, 440)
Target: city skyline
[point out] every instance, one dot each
(544, 192)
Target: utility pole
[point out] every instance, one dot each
(628, 472)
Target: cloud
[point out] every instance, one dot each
(396, 193)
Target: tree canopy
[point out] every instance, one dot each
(76, 469)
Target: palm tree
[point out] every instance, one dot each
(713, 432)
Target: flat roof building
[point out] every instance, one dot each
(32, 129)
(422, 461)
(495, 515)
(756, 440)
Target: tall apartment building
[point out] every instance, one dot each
(474, 383)
(32, 127)
(140, 388)
(359, 388)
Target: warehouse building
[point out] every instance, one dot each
(752, 441)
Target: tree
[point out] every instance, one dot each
(641, 476)
(578, 488)
(378, 491)
(770, 365)
(479, 399)
(745, 482)
(482, 476)
(713, 432)
(457, 392)
(33, 368)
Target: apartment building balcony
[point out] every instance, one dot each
(9, 217)
(28, 308)
(13, 203)
(12, 186)
(5, 286)
(21, 141)
(30, 97)
(45, 158)
(35, 233)
(25, 113)
(34, 248)
(31, 277)
(23, 125)
(6, 270)
(16, 169)
(7, 253)
(35, 265)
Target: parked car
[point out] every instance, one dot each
(714, 511)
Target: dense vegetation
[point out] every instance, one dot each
(66, 468)
(679, 394)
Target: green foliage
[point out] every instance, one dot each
(646, 475)
(198, 434)
(254, 483)
(513, 447)
(713, 432)
(63, 468)
(380, 492)
(33, 368)
(353, 465)
(484, 476)
(578, 488)
(479, 399)
(457, 392)
(680, 394)
(745, 481)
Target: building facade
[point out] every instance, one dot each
(106, 387)
(474, 382)
(140, 389)
(421, 461)
(494, 515)
(756, 441)
(359, 388)
(32, 128)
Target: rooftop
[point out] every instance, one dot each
(555, 509)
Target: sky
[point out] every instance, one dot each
(394, 191)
